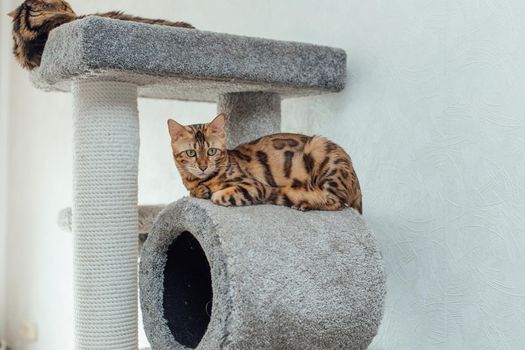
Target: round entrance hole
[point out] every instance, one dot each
(188, 291)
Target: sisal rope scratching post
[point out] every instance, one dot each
(106, 146)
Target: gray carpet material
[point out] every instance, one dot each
(250, 115)
(280, 278)
(177, 63)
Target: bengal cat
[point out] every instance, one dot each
(298, 171)
(34, 19)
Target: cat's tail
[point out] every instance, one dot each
(125, 17)
(332, 171)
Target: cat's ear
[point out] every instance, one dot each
(217, 125)
(12, 14)
(176, 130)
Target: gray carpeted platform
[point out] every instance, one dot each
(269, 276)
(184, 64)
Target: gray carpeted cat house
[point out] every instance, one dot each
(260, 277)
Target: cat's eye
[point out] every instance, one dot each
(212, 151)
(191, 153)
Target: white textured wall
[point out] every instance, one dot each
(4, 99)
(433, 117)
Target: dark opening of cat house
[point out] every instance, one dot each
(187, 290)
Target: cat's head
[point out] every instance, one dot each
(32, 22)
(199, 149)
(35, 12)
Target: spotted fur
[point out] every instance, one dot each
(298, 171)
(34, 19)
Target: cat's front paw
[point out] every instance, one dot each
(227, 198)
(222, 199)
(201, 191)
(302, 206)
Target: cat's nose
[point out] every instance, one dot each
(203, 167)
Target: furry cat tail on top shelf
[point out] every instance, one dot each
(34, 19)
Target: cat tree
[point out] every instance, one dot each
(107, 65)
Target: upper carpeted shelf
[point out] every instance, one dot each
(175, 63)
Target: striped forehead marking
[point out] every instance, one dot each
(199, 136)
